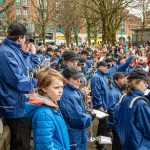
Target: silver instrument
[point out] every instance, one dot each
(1, 128)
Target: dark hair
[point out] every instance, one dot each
(15, 38)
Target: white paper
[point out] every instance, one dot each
(104, 140)
(100, 114)
(45, 62)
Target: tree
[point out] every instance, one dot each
(43, 17)
(8, 16)
(67, 16)
(109, 13)
(7, 5)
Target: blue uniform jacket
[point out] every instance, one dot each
(31, 59)
(134, 123)
(100, 90)
(14, 82)
(115, 97)
(76, 118)
(49, 128)
(119, 67)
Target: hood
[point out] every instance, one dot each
(35, 101)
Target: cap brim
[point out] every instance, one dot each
(77, 76)
(147, 79)
(73, 58)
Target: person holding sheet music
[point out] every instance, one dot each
(100, 96)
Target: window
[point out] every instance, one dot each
(26, 13)
(18, 12)
(18, 2)
(43, 3)
(25, 2)
(57, 5)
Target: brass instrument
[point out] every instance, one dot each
(89, 108)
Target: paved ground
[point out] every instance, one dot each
(91, 146)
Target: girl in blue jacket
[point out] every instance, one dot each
(133, 125)
(49, 128)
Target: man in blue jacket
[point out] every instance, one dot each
(101, 95)
(14, 83)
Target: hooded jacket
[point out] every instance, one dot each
(75, 116)
(134, 123)
(49, 128)
(100, 90)
(115, 97)
(14, 82)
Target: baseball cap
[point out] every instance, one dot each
(107, 60)
(71, 73)
(102, 63)
(138, 74)
(69, 56)
(118, 75)
(16, 29)
(85, 52)
(49, 49)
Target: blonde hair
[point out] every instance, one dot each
(132, 85)
(45, 77)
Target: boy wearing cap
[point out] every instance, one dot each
(70, 60)
(100, 96)
(14, 84)
(119, 79)
(134, 117)
(74, 111)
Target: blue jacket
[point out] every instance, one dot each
(31, 60)
(134, 123)
(14, 82)
(49, 128)
(119, 67)
(75, 116)
(100, 90)
(115, 97)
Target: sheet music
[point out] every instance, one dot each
(104, 140)
(100, 114)
(45, 62)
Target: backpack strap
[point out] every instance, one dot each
(120, 101)
(134, 100)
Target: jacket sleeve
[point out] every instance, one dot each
(14, 75)
(76, 115)
(35, 59)
(96, 93)
(143, 119)
(124, 66)
(44, 131)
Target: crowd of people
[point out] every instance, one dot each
(46, 90)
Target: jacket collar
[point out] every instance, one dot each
(25, 54)
(39, 100)
(100, 72)
(137, 93)
(71, 86)
(116, 86)
(8, 41)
